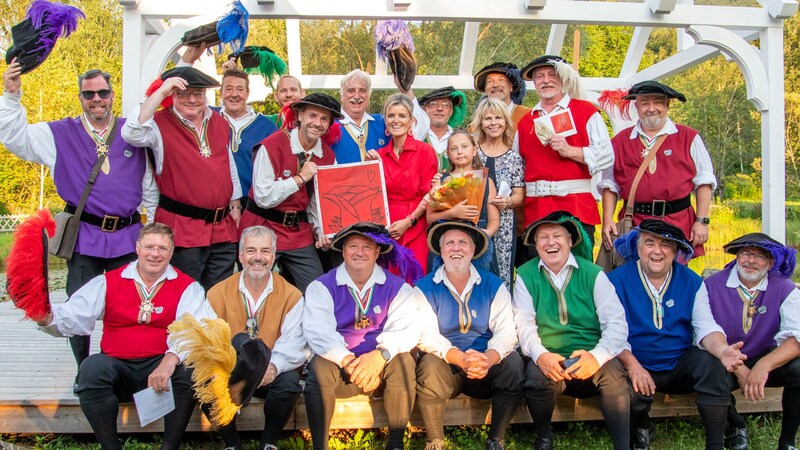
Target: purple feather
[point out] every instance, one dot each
(391, 35)
(784, 257)
(399, 257)
(233, 27)
(52, 20)
(627, 248)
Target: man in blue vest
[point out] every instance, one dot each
(755, 300)
(674, 345)
(468, 336)
(571, 328)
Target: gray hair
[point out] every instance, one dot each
(399, 99)
(257, 231)
(94, 73)
(355, 74)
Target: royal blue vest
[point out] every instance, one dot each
(347, 151)
(242, 146)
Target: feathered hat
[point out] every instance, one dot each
(392, 254)
(231, 29)
(34, 38)
(511, 71)
(289, 112)
(581, 245)
(618, 102)
(438, 228)
(394, 44)
(457, 98)
(784, 258)
(26, 265)
(570, 79)
(626, 245)
(262, 61)
(227, 371)
(194, 79)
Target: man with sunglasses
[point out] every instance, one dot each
(110, 222)
(755, 301)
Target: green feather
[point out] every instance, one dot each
(460, 111)
(270, 65)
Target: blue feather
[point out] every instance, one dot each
(233, 27)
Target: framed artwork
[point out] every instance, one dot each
(351, 193)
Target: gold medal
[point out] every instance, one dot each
(205, 152)
(363, 322)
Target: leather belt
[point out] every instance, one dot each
(107, 222)
(661, 208)
(212, 216)
(543, 188)
(286, 218)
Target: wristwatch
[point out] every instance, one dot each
(703, 220)
(413, 220)
(385, 353)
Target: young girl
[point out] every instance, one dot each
(462, 153)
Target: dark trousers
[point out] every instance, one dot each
(104, 382)
(610, 382)
(326, 382)
(788, 376)
(81, 269)
(206, 265)
(697, 371)
(302, 264)
(438, 381)
(280, 398)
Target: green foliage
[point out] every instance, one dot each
(740, 186)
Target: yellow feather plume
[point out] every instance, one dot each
(211, 355)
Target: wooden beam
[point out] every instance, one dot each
(555, 41)
(779, 9)
(661, 6)
(466, 64)
(633, 58)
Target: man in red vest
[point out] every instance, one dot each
(194, 170)
(564, 142)
(682, 165)
(137, 303)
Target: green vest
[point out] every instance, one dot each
(566, 321)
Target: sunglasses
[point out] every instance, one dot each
(89, 95)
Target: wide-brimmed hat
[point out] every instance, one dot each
(547, 60)
(395, 45)
(570, 78)
(511, 72)
(440, 227)
(456, 97)
(260, 60)
(627, 244)
(320, 100)
(580, 241)
(393, 255)
(653, 87)
(369, 230)
(252, 360)
(231, 29)
(35, 37)
(784, 257)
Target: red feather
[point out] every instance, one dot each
(333, 135)
(154, 86)
(26, 266)
(287, 116)
(613, 103)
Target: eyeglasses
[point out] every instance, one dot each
(443, 104)
(195, 94)
(89, 95)
(758, 257)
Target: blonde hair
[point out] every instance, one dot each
(476, 160)
(492, 106)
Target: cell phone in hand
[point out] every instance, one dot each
(567, 363)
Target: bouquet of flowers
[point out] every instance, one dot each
(469, 186)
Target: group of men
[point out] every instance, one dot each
(649, 326)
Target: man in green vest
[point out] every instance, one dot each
(571, 326)
(264, 305)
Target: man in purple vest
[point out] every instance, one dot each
(468, 336)
(755, 301)
(360, 322)
(674, 345)
(70, 148)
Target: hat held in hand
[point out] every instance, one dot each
(394, 44)
(231, 29)
(34, 38)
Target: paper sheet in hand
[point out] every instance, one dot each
(504, 190)
(152, 405)
(350, 193)
(558, 123)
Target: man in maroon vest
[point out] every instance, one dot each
(681, 166)
(136, 303)
(195, 172)
(564, 142)
(281, 196)
(755, 301)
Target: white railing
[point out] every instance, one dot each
(9, 223)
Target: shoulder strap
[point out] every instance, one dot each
(95, 172)
(650, 156)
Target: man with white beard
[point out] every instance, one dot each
(755, 301)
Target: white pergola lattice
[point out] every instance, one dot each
(703, 33)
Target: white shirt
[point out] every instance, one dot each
(241, 121)
(290, 349)
(501, 318)
(702, 161)
(87, 305)
(148, 135)
(610, 313)
(420, 125)
(269, 192)
(598, 155)
(400, 331)
(789, 312)
(36, 143)
(440, 145)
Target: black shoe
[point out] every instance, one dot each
(543, 444)
(786, 447)
(736, 438)
(495, 444)
(641, 437)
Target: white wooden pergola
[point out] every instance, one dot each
(703, 32)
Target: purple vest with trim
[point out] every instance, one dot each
(117, 194)
(726, 305)
(344, 308)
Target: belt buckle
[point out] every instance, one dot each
(219, 214)
(109, 223)
(290, 219)
(661, 204)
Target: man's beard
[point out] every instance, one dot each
(750, 277)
